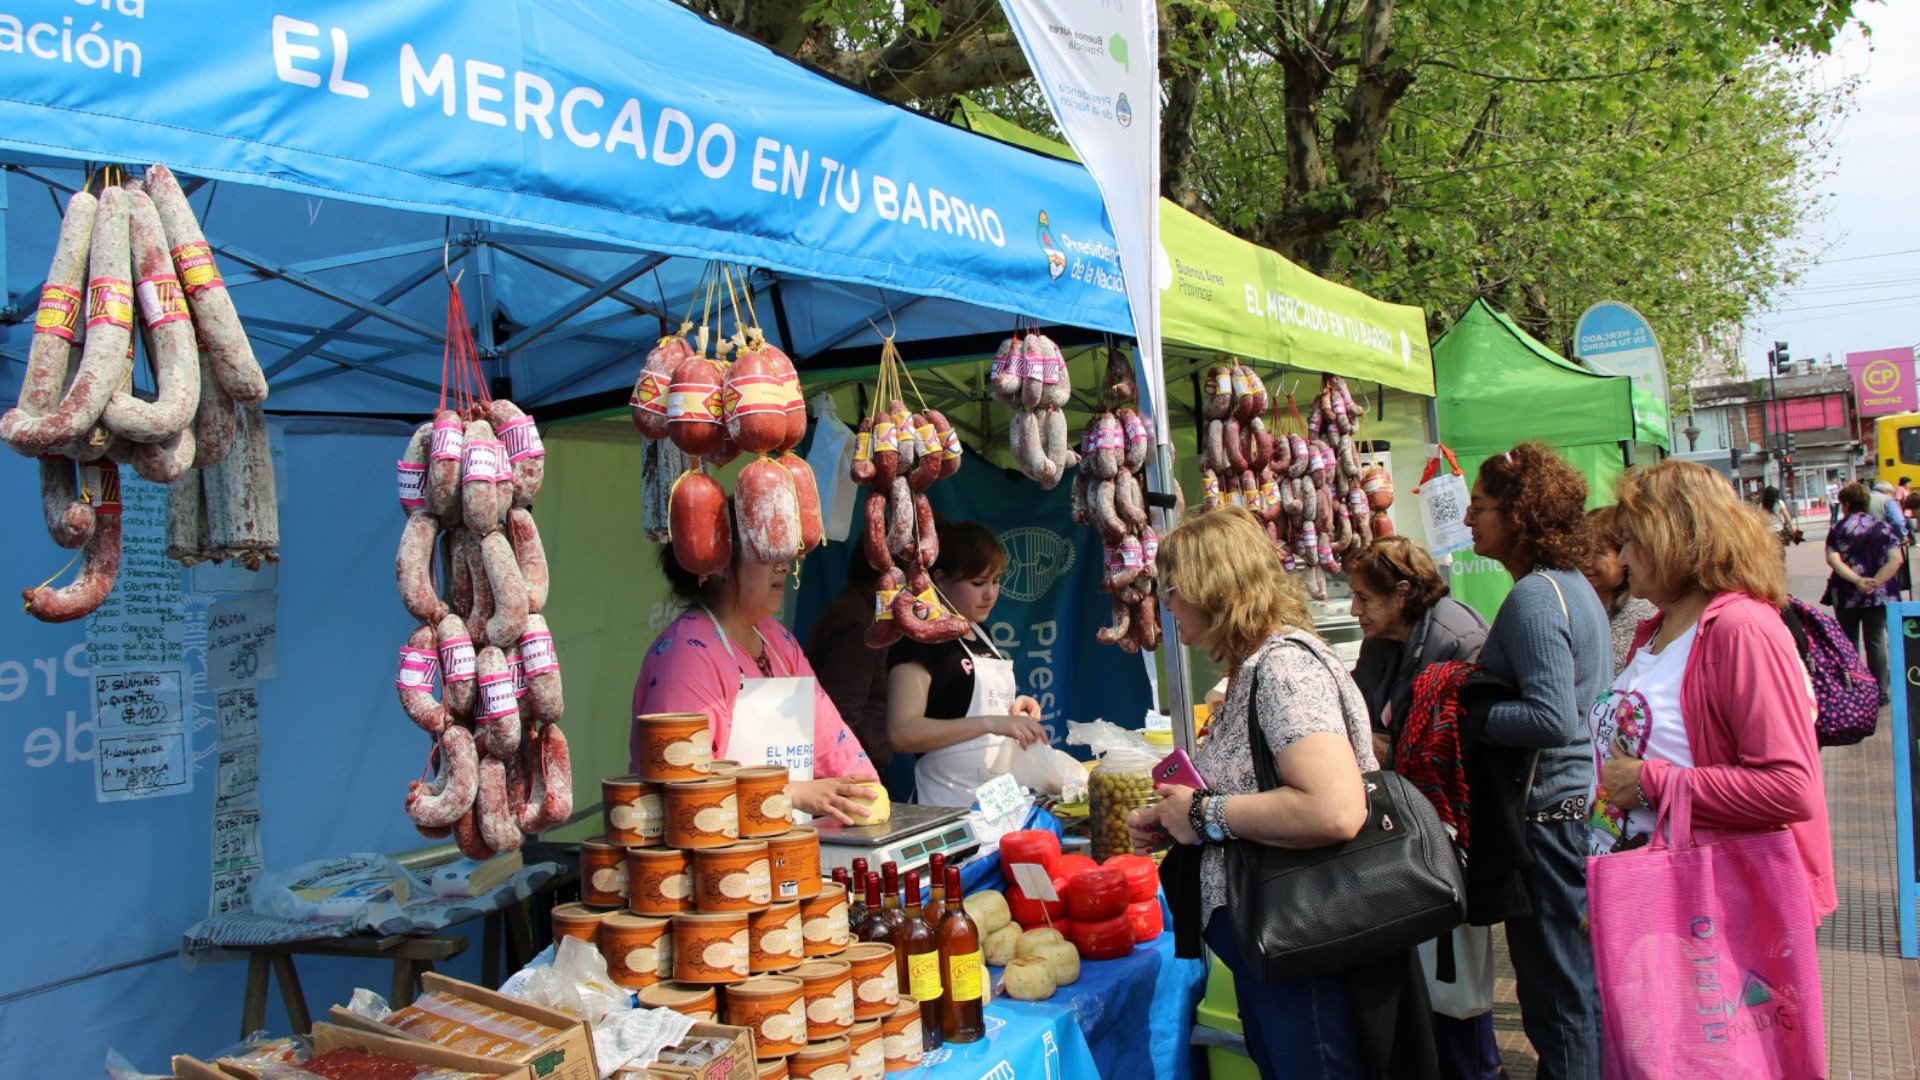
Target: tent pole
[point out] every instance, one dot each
(1179, 676)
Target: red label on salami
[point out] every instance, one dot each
(162, 300)
(413, 485)
(537, 653)
(59, 312)
(522, 439)
(650, 393)
(756, 394)
(456, 660)
(496, 695)
(194, 264)
(693, 405)
(110, 303)
(417, 667)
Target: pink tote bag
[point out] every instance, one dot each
(1705, 954)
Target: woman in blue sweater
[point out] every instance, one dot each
(1550, 639)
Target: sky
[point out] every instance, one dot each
(1864, 293)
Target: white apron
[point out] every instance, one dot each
(772, 719)
(947, 777)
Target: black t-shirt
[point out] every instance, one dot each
(950, 664)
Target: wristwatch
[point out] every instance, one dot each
(1216, 820)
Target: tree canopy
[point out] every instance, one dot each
(1543, 154)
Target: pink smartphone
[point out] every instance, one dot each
(1177, 768)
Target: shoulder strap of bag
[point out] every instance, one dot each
(1563, 599)
(1266, 772)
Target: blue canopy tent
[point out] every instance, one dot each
(580, 164)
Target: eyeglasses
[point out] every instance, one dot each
(1475, 511)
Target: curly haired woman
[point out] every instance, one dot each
(1550, 638)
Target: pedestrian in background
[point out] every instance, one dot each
(1550, 639)
(1608, 576)
(1864, 554)
(1780, 523)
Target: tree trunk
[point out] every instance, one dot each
(1358, 135)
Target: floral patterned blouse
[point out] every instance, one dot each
(1303, 689)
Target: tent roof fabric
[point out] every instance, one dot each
(1496, 385)
(562, 146)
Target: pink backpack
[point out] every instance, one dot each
(1846, 694)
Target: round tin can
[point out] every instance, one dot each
(633, 811)
(765, 808)
(829, 1060)
(702, 1003)
(709, 949)
(774, 941)
(901, 1031)
(674, 746)
(876, 982)
(773, 1007)
(824, 921)
(829, 990)
(638, 949)
(577, 920)
(603, 873)
(732, 878)
(702, 813)
(659, 881)
(794, 856)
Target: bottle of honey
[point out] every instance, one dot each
(878, 924)
(890, 887)
(962, 1015)
(856, 894)
(920, 950)
(937, 887)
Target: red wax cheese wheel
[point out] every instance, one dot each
(1097, 895)
(1143, 877)
(1145, 917)
(1038, 846)
(1070, 866)
(697, 516)
(1107, 939)
(1029, 912)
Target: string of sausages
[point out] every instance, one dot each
(1304, 477)
(1029, 375)
(898, 454)
(131, 266)
(1109, 493)
(744, 399)
(499, 770)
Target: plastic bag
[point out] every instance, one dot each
(576, 981)
(830, 456)
(362, 888)
(1046, 769)
(1120, 783)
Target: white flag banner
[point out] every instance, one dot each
(1098, 63)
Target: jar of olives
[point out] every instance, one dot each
(1121, 783)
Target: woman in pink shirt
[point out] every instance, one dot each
(1714, 685)
(730, 632)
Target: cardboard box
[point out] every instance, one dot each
(566, 1056)
(736, 1062)
(327, 1037)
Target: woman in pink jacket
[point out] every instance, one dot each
(1714, 685)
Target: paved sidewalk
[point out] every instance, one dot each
(1872, 996)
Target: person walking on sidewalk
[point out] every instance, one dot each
(1865, 555)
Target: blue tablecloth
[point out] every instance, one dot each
(1136, 1012)
(1115, 1002)
(1026, 1040)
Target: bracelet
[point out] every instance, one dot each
(1197, 814)
(1217, 828)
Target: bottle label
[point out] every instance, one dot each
(923, 975)
(964, 976)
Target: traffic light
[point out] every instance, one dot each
(1733, 458)
(1779, 357)
(1793, 444)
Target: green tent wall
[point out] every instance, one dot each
(1496, 385)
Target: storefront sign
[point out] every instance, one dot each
(1882, 381)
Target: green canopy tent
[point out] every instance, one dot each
(1497, 385)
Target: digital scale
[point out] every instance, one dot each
(910, 838)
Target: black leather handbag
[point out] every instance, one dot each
(1300, 914)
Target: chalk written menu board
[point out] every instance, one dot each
(1903, 646)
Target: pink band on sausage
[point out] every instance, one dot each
(496, 695)
(537, 654)
(413, 485)
(522, 439)
(416, 668)
(457, 660)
